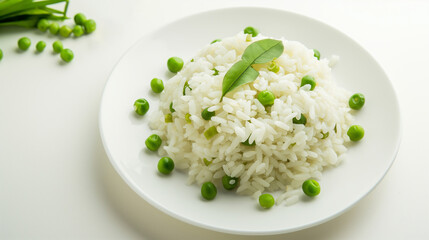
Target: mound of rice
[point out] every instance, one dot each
(285, 154)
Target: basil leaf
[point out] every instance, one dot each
(263, 51)
(240, 73)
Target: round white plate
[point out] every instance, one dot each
(124, 133)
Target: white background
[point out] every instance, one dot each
(56, 181)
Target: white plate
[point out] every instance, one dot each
(124, 134)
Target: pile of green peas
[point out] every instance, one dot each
(82, 25)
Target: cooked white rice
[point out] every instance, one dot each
(285, 154)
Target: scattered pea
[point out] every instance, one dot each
(79, 18)
(302, 120)
(175, 64)
(168, 118)
(157, 85)
(266, 200)
(311, 188)
(67, 55)
(141, 106)
(57, 46)
(65, 31)
(266, 98)
(24, 43)
(208, 190)
(357, 101)
(307, 79)
(172, 110)
(90, 26)
(206, 114)
(54, 28)
(78, 31)
(229, 183)
(1, 54)
(153, 142)
(316, 54)
(188, 118)
(43, 25)
(215, 41)
(251, 30)
(40, 46)
(165, 165)
(210, 132)
(356, 132)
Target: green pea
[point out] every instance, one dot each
(175, 64)
(316, 54)
(210, 132)
(67, 55)
(57, 46)
(65, 31)
(307, 79)
(24, 43)
(356, 132)
(266, 98)
(40, 46)
(157, 85)
(168, 118)
(206, 114)
(357, 101)
(90, 26)
(172, 110)
(274, 67)
(78, 31)
(79, 18)
(141, 106)
(43, 25)
(229, 183)
(188, 118)
(266, 200)
(302, 120)
(1, 54)
(153, 142)
(208, 190)
(215, 41)
(54, 28)
(251, 30)
(311, 188)
(165, 165)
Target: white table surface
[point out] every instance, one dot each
(56, 181)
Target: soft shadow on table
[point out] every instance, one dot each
(150, 223)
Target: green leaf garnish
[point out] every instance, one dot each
(242, 72)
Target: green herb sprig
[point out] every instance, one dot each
(242, 72)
